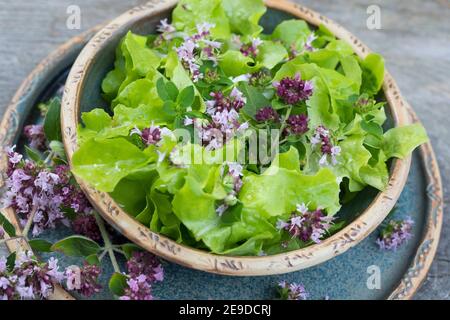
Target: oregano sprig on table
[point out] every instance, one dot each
(44, 194)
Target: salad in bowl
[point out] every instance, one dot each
(237, 141)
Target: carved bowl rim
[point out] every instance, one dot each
(168, 249)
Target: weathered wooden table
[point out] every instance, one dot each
(414, 38)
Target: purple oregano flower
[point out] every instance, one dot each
(83, 280)
(322, 138)
(151, 135)
(224, 123)
(233, 181)
(41, 191)
(292, 291)
(36, 136)
(267, 114)
(29, 279)
(395, 234)
(251, 49)
(297, 124)
(306, 225)
(143, 270)
(196, 48)
(86, 225)
(294, 90)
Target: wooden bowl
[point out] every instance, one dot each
(82, 93)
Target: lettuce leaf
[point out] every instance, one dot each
(142, 58)
(244, 15)
(292, 33)
(278, 190)
(376, 175)
(142, 91)
(270, 54)
(96, 119)
(131, 192)
(233, 63)
(189, 13)
(354, 156)
(195, 205)
(401, 141)
(104, 163)
(373, 73)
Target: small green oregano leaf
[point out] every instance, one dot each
(40, 245)
(76, 246)
(117, 284)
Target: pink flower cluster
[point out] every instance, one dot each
(236, 101)
(224, 124)
(86, 225)
(166, 29)
(150, 135)
(28, 278)
(322, 138)
(233, 181)
(292, 291)
(41, 191)
(395, 234)
(143, 270)
(297, 124)
(306, 225)
(83, 280)
(294, 90)
(196, 48)
(36, 136)
(251, 49)
(31, 279)
(308, 46)
(267, 114)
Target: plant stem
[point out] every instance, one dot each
(107, 240)
(119, 251)
(49, 157)
(102, 255)
(283, 125)
(3, 241)
(27, 227)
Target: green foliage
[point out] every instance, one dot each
(40, 245)
(117, 284)
(7, 226)
(76, 246)
(52, 121)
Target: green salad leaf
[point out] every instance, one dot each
(104, 163)
(244, 15)
(401, 141)
(234, 63)
(271, 53)
(189, 13)
(292, 33)
(261, 192)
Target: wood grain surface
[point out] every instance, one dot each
(414, 39)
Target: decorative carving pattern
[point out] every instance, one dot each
(343, 242)
(101, 37)
(425, 253)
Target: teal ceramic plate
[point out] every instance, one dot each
(344, 277)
